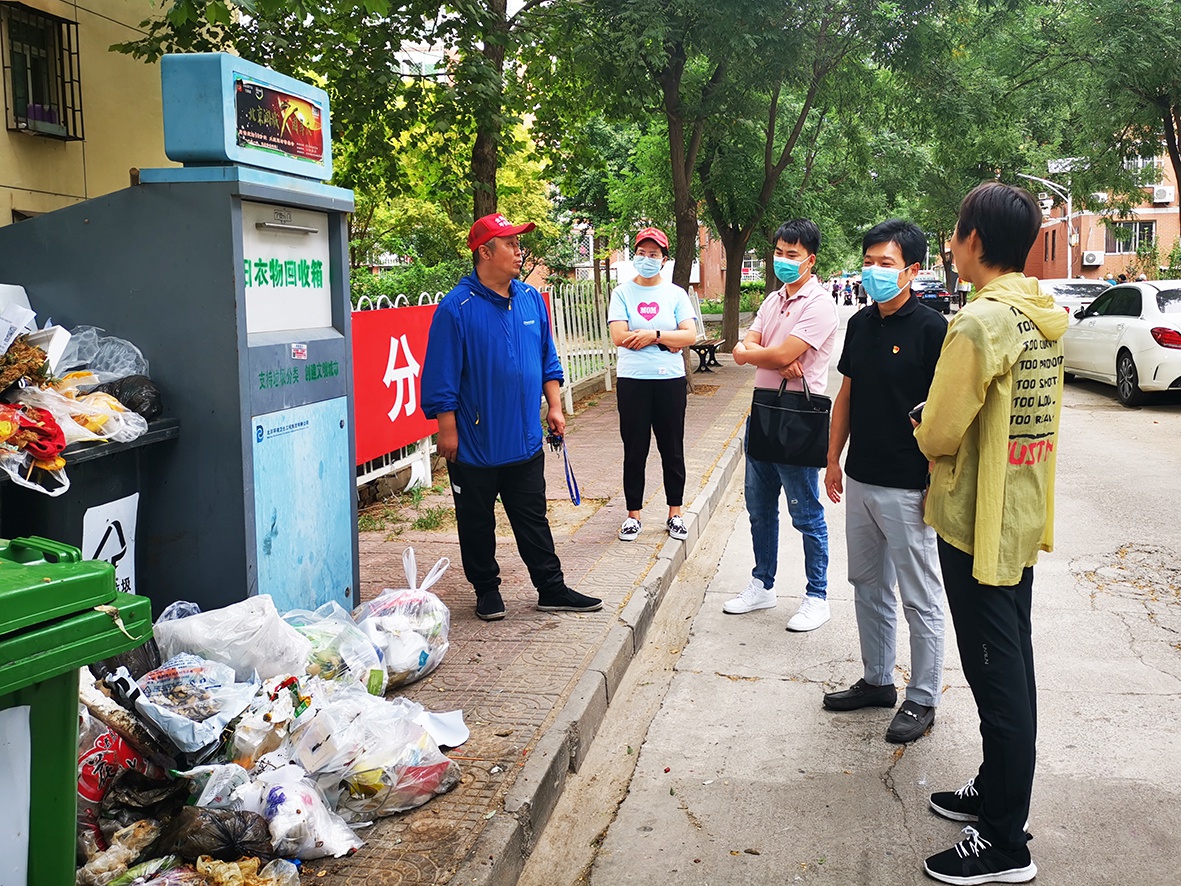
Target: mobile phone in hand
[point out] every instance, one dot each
(916, 414)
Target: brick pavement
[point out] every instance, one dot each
(533, 687)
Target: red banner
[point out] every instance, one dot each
(388, 350)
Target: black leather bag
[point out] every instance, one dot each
(789, 427)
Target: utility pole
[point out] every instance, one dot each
(1063, 192)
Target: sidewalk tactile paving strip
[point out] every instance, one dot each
(512, 677)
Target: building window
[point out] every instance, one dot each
(42, 88)
(753, 268)
(1127, 237)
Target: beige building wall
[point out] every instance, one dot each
(121, 112)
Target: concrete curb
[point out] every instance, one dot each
(500, 852)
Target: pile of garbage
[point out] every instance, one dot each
(60, 387)
(240, 741)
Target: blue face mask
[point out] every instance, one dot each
(881, 284)
(647, 267)
(786, 270)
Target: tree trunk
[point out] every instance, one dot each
(734, 243)
(486, 148)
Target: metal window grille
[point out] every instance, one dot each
(42, 77)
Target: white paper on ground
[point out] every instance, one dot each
(448, 730)
(15, 775)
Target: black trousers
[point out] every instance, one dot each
(993, 631)
(647, 406)
(521, 488)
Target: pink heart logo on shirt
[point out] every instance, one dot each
(648, 309)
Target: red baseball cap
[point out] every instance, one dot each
(492, 226)
(653, 234)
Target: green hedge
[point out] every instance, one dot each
(409, 280)
(749, 298)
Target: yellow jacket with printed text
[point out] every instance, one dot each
(990, 428)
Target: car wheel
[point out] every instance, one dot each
(1127, 386)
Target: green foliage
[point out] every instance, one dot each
(410, 280)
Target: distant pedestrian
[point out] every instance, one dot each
(791, 338)
(1122, 278)
(990, 427)
(888, 361)
(490, 358)
(836, 290)
(651, 320)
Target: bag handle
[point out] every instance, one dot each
(807, 391)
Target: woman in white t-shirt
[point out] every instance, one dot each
(651, 321)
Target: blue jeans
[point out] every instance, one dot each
(802, 487)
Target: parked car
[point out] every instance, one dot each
(932, 293)
(1074, 294)
(1130, 337)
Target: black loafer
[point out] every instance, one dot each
(489, 606)
(911, 721)
(567, 600)
(861, 695)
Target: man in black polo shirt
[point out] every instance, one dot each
(888, 361)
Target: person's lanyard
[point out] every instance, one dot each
(571, 482)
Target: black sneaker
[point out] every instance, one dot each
(961, 805)
(567, 600)
(911, 722)
(974, 860)
(861, 695)
(489, 606)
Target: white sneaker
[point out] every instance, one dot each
(813, 612)
(754, 597)
(629, 530)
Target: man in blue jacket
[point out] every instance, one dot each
(490, 358)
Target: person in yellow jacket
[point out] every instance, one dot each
(990, 429)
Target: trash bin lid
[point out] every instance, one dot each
(43, 580)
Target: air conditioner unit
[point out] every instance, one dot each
(1092, 258)
(1100, 197)
(1162, 194)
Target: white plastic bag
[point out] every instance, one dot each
(213, 785)
(249, 636)
(370, 758)
(340, 649)
(191, 700)
(409, 626)
(302, 824)
(87, 418)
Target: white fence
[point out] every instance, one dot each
(580, 332)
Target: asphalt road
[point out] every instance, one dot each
(717, 764)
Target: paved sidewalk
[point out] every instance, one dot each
(535, 686)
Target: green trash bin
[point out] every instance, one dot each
(49, 628)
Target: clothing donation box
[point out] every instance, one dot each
(231, 274)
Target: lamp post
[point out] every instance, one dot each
(1064, 193)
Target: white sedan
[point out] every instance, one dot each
(1130, 336)
(1072, 294)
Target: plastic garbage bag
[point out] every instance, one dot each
(84, 418)
(340, 649)
(146, 870)
(224, 834)
(188, 700)
(105, 355)
(126, 847)
(138, 393)
(134, 796)
(408, 626)
(302, 824)
(370, 758)
(103, 755)
(249, 636)
(213, 785)
(262, 728)
(246, 872)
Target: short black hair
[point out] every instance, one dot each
(1007, 220)
(911, 240)
(799, 230)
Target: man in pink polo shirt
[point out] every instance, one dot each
(792, 337)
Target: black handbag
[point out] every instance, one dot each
(789, 427)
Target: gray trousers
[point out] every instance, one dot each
(888, 542)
